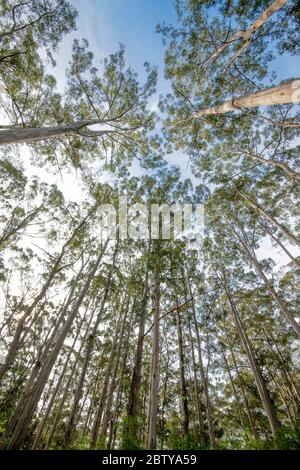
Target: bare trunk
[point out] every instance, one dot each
(246, 402)
(279, 243)
(279, 302)
(106, 381)
(18, 340)
(22, 416)
(273, 221)
(184, 393)
(275, 164)
(204, 380)
(88, 353)
(237, 400)
(247, 34)
(260, 384)
(153, 404)
(196, 390)
(22, 135)
(47, 412)
(110, 394)
(137, 368)
(282, 94)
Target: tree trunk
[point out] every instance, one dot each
(273, 221)
(137, 368)
(282, 94)
(184, 392)
(20, 420)
(106, 380)
(275, 164)
(22, 135)
(246, 35)
(260, 384)
(234, 390)
(154, 378)
(248, 410)
(17, 340)
(204, 380)
(110, 394)
(279, 243)
(47, 412)
(89, 349)
(196, 389)
(279, 302)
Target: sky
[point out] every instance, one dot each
(106, 24)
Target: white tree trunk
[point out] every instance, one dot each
(247, 34)
(282, 94)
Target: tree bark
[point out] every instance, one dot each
(17, 339)
(33, 134)
(47, 412)
(21, 418)
(294, 175)
(154, 378)
(137, 368)
(89, 349)
(246, 35)
(106, 381)
(271, 219)
(260, 384)
(248, 410)
(204, 380)
(279, 302)
(282, 94)
(279, 243)
(107, 412)
(184, 392)
(196, 389)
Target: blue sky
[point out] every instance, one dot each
(106, 23)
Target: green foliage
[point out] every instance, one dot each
(129, 434)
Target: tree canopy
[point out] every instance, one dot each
(139, 342)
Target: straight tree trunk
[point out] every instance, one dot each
(196, 389)
(21, 135)
(260, 384)
(106, 381)
(20, 420)
(184, 392)
(17, 340)
(108, 408)
(47, 412)
(233, 386)
(246, 402)
(88, 353)
(282, 94)
(154, 378)
(58, 411)
(278, 300)
(204, 378)
(137, 368)
(271, 219)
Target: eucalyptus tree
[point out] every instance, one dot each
(27, 28)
